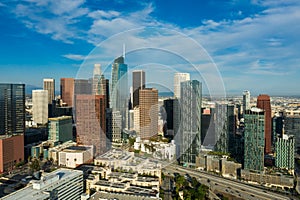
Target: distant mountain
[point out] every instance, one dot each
(29, 88)
(165, 94)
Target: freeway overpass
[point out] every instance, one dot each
(223, 185)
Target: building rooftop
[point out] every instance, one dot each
(37, 189)
(105, 195)
(59, 118)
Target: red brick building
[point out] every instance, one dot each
(11, 151)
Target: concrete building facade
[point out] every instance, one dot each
(40, 106)
(49, 85)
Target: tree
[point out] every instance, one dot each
(35, 165)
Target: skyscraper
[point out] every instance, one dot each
(114, 127)
(246, 101)
(49, 85)
(67, 90)
(138, 82)
(12, 109)
(148, 111)
(263, 102)
(91, 122)
(224, 126)
(82, 86)
(119, 87)
(285, 152)
(104, 89)
(40, 106)
(96, 79)
(254, 139)
(178, 78)
(190, 124)
(169, 108)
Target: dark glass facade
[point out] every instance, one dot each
(12, 109)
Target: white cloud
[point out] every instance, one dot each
(55, 18)
(74, 56)
(236, 45)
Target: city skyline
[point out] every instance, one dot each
(250, 42)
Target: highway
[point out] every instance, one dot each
(226, 185)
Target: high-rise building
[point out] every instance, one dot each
(169, 108)
(60, 129)
(138, 83)
(189, 138)
(246, 101)
(104, 89)
(285, 152)
(49, 85)
(96, 79)
(91, 121)
(12, 109)
(119, 87)
(224, 126)
(114, 127)
(82, 86)
(292, 127)
(148, 110)
(40, 106)
(67, 90)
(263, 102)
(11, 151)
(254, 139)
(178, 78)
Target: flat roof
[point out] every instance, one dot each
(35, 194)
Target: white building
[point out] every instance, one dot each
(246, 101)
(136, 119)
(60, 184)
(75, 156)
(40, 106)
(178, 78)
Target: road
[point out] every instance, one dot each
(228, 186)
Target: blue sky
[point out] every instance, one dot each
(252, 45)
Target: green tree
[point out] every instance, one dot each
(35, 165)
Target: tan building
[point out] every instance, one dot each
(275, 179)
(40, 106)
(67, 90)
(148, 100)
(49, 85)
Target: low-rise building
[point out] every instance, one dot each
(123, 160)
(74, 156)
(218, 164)
(59, 184)
(131, 184)
(276, 179)
(107, 195)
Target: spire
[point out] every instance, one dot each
(123, 50)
